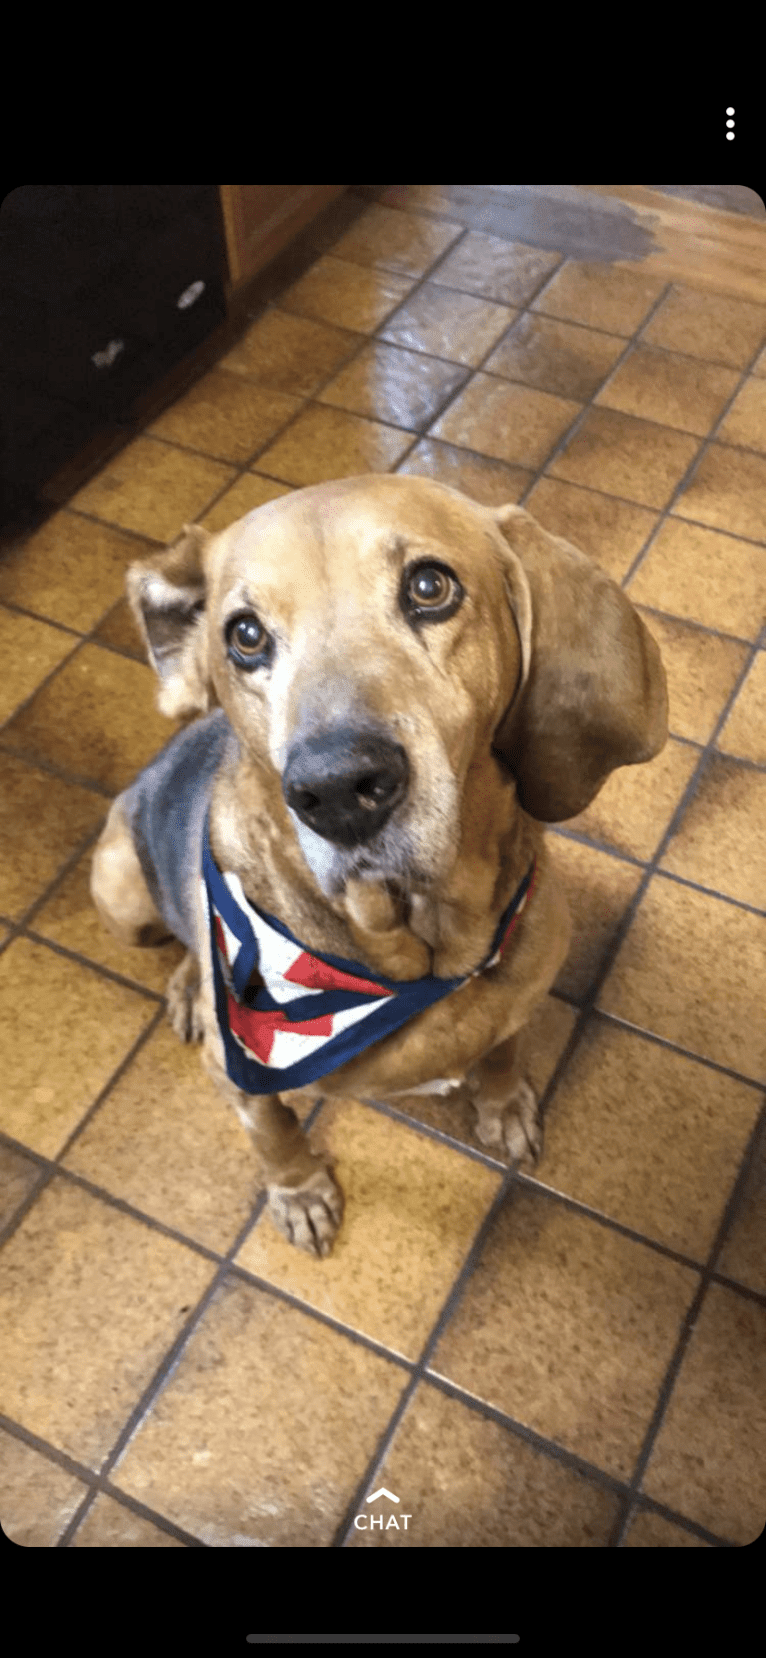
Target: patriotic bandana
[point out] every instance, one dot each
(313, 1012)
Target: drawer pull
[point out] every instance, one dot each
(105, 358)
(190, 295)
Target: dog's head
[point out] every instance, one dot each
(374, 640)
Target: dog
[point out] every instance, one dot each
(387, 690)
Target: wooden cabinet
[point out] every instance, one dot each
(260, 219)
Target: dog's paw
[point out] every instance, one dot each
(308, 1215)
(514, 1128)
(185, 1001)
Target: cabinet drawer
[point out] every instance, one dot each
(82, 332)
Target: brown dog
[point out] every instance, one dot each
(403, 685)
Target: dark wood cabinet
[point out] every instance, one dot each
(105, 292)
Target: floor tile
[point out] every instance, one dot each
(393, 241)
(285, 1478)
(721, 842)
(652, 1531)
(30, 651)
(153, 488)
(598, 890)
(291, 355)
(744, 732)
(413, 1208)
(611, 532)
(50, 1075)
(633, 458)
(400, 387)
(70, 918)
(690, 969)
(459, 327)
(506, 422)
(97, 720)
(704, 576)
(94, 1298)
(556, 356)
(701, 1462)
(120, 629)
(742, 1256)
(250, 491)
(728, 491)
(226, 416)
(664, 1140)
(491, 482)
(702, 670)
(509, 272)
(187, 1160)
(335, 291)
(714, 326)
(37, 1498)
(745, 422)
(502, 1492)
(42, 821)
(71, 570)
(590, 1322)
(634, 808)
(18, 1175)
(614, 299)
(677, 391)
(112, 1525)
(329, 443)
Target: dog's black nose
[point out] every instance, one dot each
(345, 784)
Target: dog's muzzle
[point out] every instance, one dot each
(345, 784)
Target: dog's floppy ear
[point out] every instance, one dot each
(592, 694)
(167, 597)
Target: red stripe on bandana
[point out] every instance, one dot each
(319, 975)
(258, 1029)
(519, 913)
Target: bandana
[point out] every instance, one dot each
(313, 1012)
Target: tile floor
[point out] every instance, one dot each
(572, 1359)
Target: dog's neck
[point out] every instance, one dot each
(446, 929)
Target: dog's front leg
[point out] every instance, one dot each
(505, 1106)
(305, 1201)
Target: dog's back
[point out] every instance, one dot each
(165, 808)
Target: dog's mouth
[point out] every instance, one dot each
(401, 876)
(389, 857)
(372, 815)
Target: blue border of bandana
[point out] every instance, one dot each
(407, 998)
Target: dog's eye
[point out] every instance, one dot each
(431, 592)
(247, 640)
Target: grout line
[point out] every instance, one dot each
(628, 858)
(695, 1306)
(42, 684)
(52, 1166)
(98, 1482)
(364, 339)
